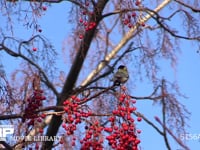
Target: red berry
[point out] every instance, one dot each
(42, 98)
(143, 24)
(85, 23)
(84, 12)
(126, 21)
(61, 141)
(139, 131)
(86, 29)
(86, 127)
(133, 14)
(44, 8)
(73, 143)
(36, 146)
(64, 125)
(74, 138)
(131, 109)
(39, 120)
(139, 119)
(133, 101)
(43, 116)
(137, 141)
(34, 49)
(93, 23)
(137, 3)
(80, 36)
(81, 20)
(87, 3)
(108, 129)
(111, 119)
(157, 119)
(130, 25)
(41, 130)
(81, 141)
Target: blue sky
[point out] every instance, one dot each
(56, 28)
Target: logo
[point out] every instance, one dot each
(5, 131)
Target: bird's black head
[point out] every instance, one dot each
(121, 67)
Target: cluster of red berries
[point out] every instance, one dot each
(30, 114)
(130, 18)
(93, 138)
(137, 2)
(87, 25)
(124, 135)
(33, 103)
(121, 133)
(73, 115)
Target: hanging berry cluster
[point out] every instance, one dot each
(86, 13)
(73, 115)
(93, 138)
(34, 119)
(132, 17)
(33, 103)
(122, 131)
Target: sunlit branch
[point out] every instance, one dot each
(123, 41)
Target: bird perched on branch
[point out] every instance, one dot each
(121, 76)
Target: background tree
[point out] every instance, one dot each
(103, 35)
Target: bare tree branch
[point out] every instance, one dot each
(15, 54)
(149, 122)
(7, 146)
(164, 115)
(188, 6)
(169, 131)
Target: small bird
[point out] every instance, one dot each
(121, 76)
